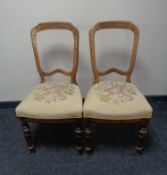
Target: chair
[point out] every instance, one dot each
(118, 101)
(53, 101)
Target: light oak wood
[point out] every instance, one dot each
(113, 25)
(50, 26)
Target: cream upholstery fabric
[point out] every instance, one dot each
(116, 100)
(52, 100)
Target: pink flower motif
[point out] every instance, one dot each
(53, 91)
(115, 91)
(129, 98)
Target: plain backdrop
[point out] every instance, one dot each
(18, 74)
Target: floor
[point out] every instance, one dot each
(55, 149)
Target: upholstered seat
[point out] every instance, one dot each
(110, 100)
(52, 100)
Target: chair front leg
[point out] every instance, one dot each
(79, 136)
(143, 130)
(27, 135)
(87, 136)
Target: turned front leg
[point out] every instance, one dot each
(79, 136)
(87, 137)
(28, 137)
(141, 137)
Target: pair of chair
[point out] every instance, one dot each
(106, 102)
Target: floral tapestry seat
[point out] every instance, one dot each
(116, 100)
(52, 100)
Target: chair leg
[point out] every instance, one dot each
(141, 137)
(28, 137)
(87, 137)
(79, 136)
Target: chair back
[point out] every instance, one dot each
(56, 25)
(113, 25)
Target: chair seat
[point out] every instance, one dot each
(52, 100)
(116, 100)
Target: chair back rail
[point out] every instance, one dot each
(113, 25)
(56, 25)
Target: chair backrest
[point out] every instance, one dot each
(56, 25)
(113, 25)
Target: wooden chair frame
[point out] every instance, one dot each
(142, 122)
(48, 26)
(56, 25)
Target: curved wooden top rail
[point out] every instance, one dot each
(56, 25)
(117, 25)
(113, 25)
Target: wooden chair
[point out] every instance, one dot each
(115, 101)
(53, 101)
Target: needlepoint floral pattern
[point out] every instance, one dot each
(115, 91)
(53, 91)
